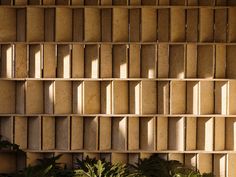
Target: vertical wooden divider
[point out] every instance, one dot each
(191, 133)
(106, 97)
(105, 131)
(133, 133)
(77, 132)
(120, 61)
(77, 97)
(162, 133)
(119, 133)
(91, 133)
(63, 61)
(48, 132)
(91, 61)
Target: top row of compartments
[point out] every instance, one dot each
(121, 2)
(61, 24)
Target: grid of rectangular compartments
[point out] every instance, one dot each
(120, 80)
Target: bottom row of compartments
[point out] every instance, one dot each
(121, 133)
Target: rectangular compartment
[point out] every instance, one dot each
(92, 28)
(20, 131)
(163, 25)
(105, 131)
(162, 133)
(62, 138)
(134, 97)
(177, 24)
(35, 60)
(176, 134)
(220, 33)
(34, 97)
(219, 133)
(230, 61)
(48, 97)
(77, 97)
(163, 90)
(148, 61)
(120, 61)
(133, 133)
(177, 97)
(78, 24)
(134, 22)
(77, 61)
(149, 25)
(204, 162)
(232, 24)
(49, 24)
(119, 133)
(91, 133)
(91, 61)
(205, 61)
(219, 165)
(206, 97)
(35, 24)
(230, 133)
(190, 160)
(176, 61)
(106, 97)
(34, 133)
(62, 97)
(206, 22)
(220, 61)
(221, 97)
(106, 61)
(163, 61)
(21, 24)
(91, 97)
(134, 61)
(205, 133)
(106, 23)
(148, 95)
(8, 24)
(20, 63)
(231, 97)
(63, 32)
(191, 133)
(6, 128)
(120, 97)
(77, 132)
(48, 133)
(7, 97)
(147, 133)
(192, 25)
(120, 29)
(230, 168)
(191, 61)
(63, 61)
(49, 61)
(192, 97)
(7, 60)
(20, 97)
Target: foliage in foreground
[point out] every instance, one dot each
(150, 167)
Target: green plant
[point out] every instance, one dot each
(100, 168)
(157, 167)
(7, 145)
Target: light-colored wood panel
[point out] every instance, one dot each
(90, 133)
(232, 24)
(135, 97)
(191, 133)
(91, 61)
(230, 133)
(7, 61)
(63, 61)
(34, 97)
(77, 61)
(177, 97)
(135, 29)
(35, 24)
(192, 25)
(8, 24)
(63, 25)
(62, 97)
(120, 61)
(105, 127)
(204, 163)
(34, 133)
(191, 61)
(206, 22)
(220, 61)
(48, 133)
(106, 61)
(162, 133)
(91, 97)
(133, 133)
(163, 97)
(206, 97)
(176, 140)
(134, 61)
(20, 129)
(149, 24)
(7, 95)
(177, 24)
(120, 25)
(20, 61)
(35, 61)
(221, 97)
(119, 97)
(106, 97)
(49, 97)
(219, 133)
(62, 135)
(147, 133)
(148, 61)
(119, 133)
(49, 61)
(77, 97)
(77, 132)
(92, 27)
(192, 97)
(163, 25)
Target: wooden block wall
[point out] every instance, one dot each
(119, 80)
